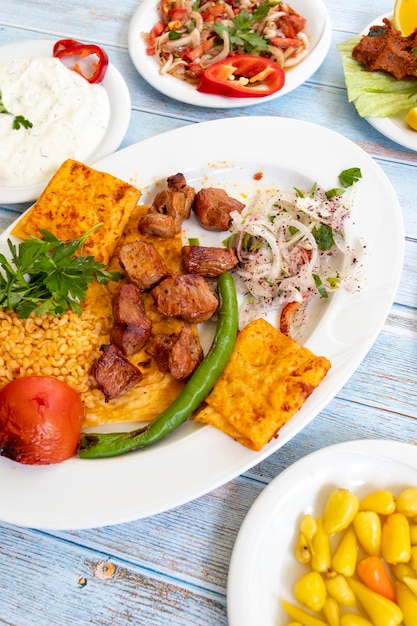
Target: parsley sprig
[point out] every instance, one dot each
(45, 275)
(19, 121)
(346, 178)
(241, 34)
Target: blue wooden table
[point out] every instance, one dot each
(172, 568)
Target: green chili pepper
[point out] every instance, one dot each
(197, 388)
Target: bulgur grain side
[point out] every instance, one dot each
(64, 347)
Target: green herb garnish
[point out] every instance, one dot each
(350, 176)
(336, 191)
(323, 235)
(313, 190)
(346, 178)
(320, 287)
(241, 34)
(18, 120)
(333, 282)
(45, 275)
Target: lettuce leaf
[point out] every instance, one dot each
(375, 94)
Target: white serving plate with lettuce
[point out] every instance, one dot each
(380, 98)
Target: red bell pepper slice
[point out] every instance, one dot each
(242, 76)
(89, 60)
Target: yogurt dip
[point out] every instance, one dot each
(69, 119)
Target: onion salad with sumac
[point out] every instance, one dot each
(292, 247)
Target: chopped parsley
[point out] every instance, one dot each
(346, 178)
(350, 176)
(320, 287)
(19, 121)
(323, 235)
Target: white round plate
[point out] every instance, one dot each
(196, 459)
(263, 568)
(394, 127)
(120, 107)
(318, 29)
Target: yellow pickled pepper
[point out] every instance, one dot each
(303, 549)
(321, 557)
(413, 558)
(301, 616)
(310, 591)
(338, 588)
(381, 502)
(331, 611)
(395, 539)
(308, 528)
(380, 610)
(411, 584)
(407, 502)
(413, 534)
(346, 554)
(403, 570)
(367, 526)
(407, 601)
(349, 619)
(339, 511)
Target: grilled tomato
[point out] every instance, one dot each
(40, 420)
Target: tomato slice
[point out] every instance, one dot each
(242, 76)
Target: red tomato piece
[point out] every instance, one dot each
(40, 420)
(177, 14)
(156, 31)
(242, 76)
(214, 12)
(285, 42)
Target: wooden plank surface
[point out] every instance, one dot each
(172, 568)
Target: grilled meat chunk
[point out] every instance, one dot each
(169, 209)
(384, 48)
(187, 296)
(132, 326)
(180, 355)
(213, 206)
(207, 261)
(142, 263)
(113, 373)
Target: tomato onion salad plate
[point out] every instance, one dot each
(119, 100)
(394, 127)
(318, 29)
(196, 459)
(263, 568)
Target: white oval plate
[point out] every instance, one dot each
(394, 127)
(120, 107)
(196, 459)
(263, 569)
(318, 28)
